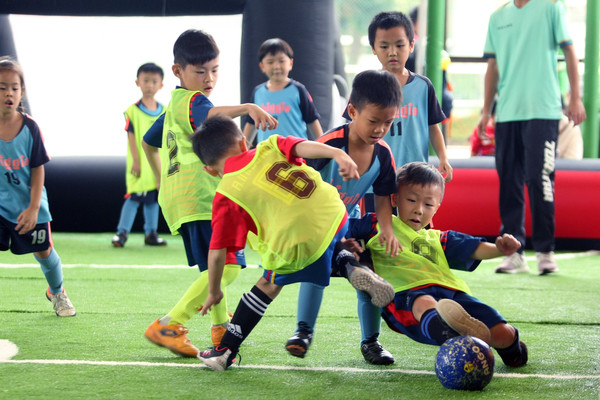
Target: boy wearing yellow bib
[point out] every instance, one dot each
(139, 178)
(432, 304)
(186, 190)
(266, 195)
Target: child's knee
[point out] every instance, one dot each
(502, 335)
(421, 305)
(43, 254)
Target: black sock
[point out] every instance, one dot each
(514, 355)
(434, 327)
(249, 311)
(343, 261)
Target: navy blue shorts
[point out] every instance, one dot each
(399, 317)
(196, 240)
(318, 272)
(36, 240)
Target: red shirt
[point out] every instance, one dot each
(230, 222)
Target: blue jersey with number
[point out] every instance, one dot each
(17, 157)
(292, 106)
(380, 176)
(409, 135)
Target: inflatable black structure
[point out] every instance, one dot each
(86, 193)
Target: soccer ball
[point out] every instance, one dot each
(464, 363)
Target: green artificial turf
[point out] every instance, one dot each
(557, 317)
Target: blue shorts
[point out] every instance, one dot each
(196, 240)
(36, 240)
(399, 317)
(318, 272)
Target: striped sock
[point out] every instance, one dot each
(249, 311)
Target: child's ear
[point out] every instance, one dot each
(243, 146)
(210, 170)
(394, 198)
(352, 111)
(176, 68)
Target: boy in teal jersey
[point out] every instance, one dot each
(374, 101)
(391, 36)
(432, 304)
(186, 190)
(139, 178)
(285, 98)
(266, 196)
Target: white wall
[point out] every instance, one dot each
(80, 72)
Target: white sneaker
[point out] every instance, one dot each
(62, 304)
(546, 263)
(512, 264)
(461, 321)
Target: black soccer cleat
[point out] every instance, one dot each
(375, 354)
(152, 239)
(298, 344)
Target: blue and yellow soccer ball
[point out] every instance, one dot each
(464, 363)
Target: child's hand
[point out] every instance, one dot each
(446, 170)
(262, 119)
(507, 244)
(26, 221)
(348, 169)
(392, 245)
(211, 300)
(352, 245)
(135, 168)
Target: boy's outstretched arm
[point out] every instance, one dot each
(436, 138)
(262, 119)
(505, 246)
(216, 264)
(309, 149)
(383, 209)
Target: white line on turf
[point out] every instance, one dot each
(284, 367)
(118, 266)
(561, 256)
(8, 350)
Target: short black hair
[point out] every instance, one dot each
(414, 14)
(388, 20)
(151, 68)
(419, 173)
(274, 46)
(194, 47)
(214, 138)
(375, 87)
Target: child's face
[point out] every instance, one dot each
(276, 66)
(392, 48)
(11, 91)
(417, 204)
(201, 77)
(372, 122)
(149, 82)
